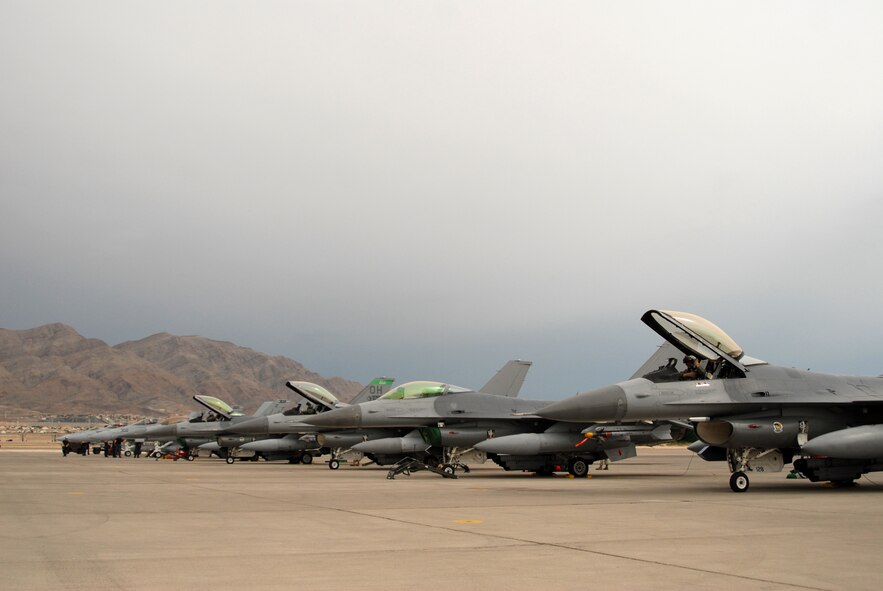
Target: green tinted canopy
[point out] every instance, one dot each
(413, 390)
(218, 405)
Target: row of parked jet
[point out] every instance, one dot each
(755, 416)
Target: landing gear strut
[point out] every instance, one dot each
(751, 459)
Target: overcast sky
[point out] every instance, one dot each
(427, 189)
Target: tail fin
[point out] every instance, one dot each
(659, 358)
(272, 407)
(377, 388)
(508, 380)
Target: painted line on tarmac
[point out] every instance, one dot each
(578, 549)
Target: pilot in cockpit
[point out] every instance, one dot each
(694, 370)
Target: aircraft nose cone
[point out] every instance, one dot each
(255, 426)
(347, 417)
(604, 404)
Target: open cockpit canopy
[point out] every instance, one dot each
(315, 394)
(694, 335)
(414, 390)
(216, 405)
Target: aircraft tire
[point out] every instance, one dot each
(334, 464)
(230, 459)
(448, 469)
(127, 453)
(191, 458)
(307, 459)
(578, 467)
(739, 482)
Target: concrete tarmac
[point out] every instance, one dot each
(663, 520)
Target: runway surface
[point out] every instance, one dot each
(663, 520)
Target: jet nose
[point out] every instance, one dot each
(255, 426)
(347, 417)
(604, 404)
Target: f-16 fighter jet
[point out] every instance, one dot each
(457, 423)
(391, 442)
(755, 415)
(202, 428)
(261, 435)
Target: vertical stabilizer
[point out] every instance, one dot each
(659, 358)
(272, 407)
(508, 380)
(377, 388)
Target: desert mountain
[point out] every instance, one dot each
(52, 369)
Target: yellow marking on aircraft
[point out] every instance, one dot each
(467, 521)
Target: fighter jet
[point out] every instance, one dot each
(755, 415)
(260, 435)
(389, 442)
(458, 423)
(79, 442)
(202, 428)
(131, 432)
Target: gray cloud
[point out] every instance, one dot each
(429, 190)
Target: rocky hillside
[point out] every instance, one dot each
(52, 369)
